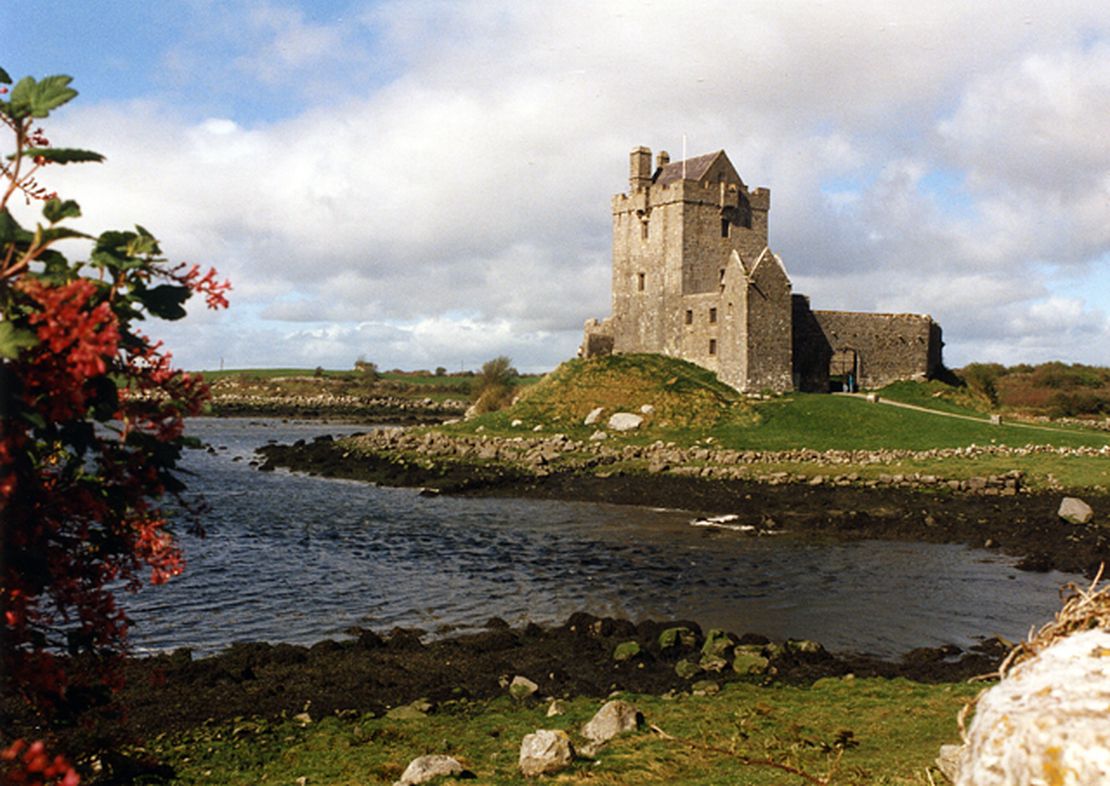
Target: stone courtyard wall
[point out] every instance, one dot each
(889, 347)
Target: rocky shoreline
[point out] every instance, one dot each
(996, 513)
(585, 656)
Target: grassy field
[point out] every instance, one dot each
(882, 731)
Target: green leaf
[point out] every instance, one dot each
(164, 301)
(62, 155)
(11, 231)
(59, 233)
(38, 98)
(4, 78)
(13, 339)
(55, 210)
(20, 103)
(113, 260)
(142, 245)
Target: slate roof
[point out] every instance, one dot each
(695, 168)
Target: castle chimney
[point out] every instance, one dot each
(640, 168)
(662, 159)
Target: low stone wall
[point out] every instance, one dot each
(542, 455)
(230, 403)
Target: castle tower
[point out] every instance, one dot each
(693, 276)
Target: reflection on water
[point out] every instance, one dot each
(298, 559)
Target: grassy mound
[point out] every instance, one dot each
(682, 396)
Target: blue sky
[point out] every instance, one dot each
(427, 183)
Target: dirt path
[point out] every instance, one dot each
(972, 418)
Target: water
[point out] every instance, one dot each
(298, 559)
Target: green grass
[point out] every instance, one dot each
(895, 730)
(691, 404)
(823, 422)
(938, 396)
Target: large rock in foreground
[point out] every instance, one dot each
(1047, 722)
(614, 718)
(544, 752)
(1075, 511)
(427, 768)
(625, 421)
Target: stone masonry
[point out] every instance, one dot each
(694, 277)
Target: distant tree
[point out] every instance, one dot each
(319, 372)
(981, 378)
(493, 387)
(368, 369)
(91, 426)
(441, 371)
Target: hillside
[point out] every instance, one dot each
(682, 397)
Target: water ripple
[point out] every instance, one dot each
(295, 558)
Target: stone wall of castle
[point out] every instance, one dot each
(876, 349)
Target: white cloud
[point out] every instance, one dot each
(476, 180)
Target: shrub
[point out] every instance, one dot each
(91, 417)
(493, 387)
(981, 378)
(367, 369)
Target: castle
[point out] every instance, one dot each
(694, 278)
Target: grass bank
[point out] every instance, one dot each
(687, 406)
(867, 731)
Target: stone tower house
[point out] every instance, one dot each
(694, 277)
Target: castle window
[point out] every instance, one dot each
(712, 315)
(640, 281)
(644, 230)
(725, 225)
(689, 316)
(712, 346)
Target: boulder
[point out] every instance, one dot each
(749, 659)
(647, 409)
(625, 421)
(626, 651)
(522, 688)
(545, 751)
(677, 637)
(948, 761)
(717, 642)
(593, 417)
(687, 669)
(413, 711)
(712, 663)
(598, 435)
(1047, 721)
(426, 768)
(1075, 511)
(615, 717)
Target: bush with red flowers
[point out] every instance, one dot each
(91, 422)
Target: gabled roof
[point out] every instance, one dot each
(696, 168)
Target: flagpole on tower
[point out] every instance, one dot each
(684, 156)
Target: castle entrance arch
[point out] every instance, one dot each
(844, 367)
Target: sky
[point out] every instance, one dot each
(426, 184)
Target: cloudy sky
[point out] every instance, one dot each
(427, 183)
